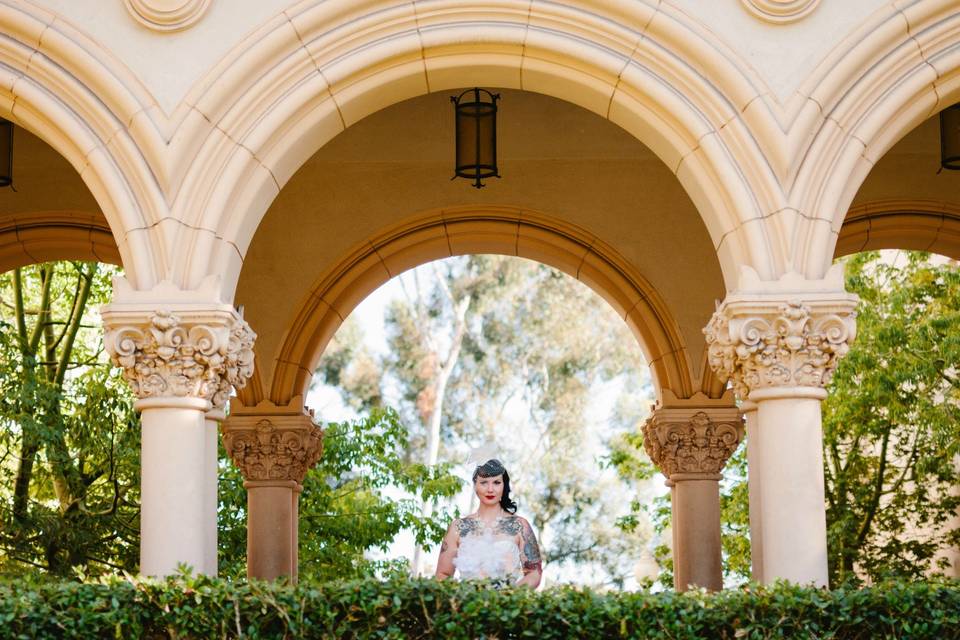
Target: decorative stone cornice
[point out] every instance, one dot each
(171, 344)
(771, 339)
(697, 440)
(281, 447)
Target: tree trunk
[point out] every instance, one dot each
(436, 416)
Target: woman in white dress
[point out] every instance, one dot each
(492, 543)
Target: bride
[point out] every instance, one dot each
(491, 543)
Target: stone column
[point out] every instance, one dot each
(690, 444)
(779, 343)
(753, 486)
(274, 447)
(211, 440)
(181, 353)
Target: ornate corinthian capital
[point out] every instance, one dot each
(279, 447)
(692, 441)
(170, 347)
(768, 340)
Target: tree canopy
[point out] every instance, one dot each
(69, 438)
(890, 436)
(497, 349)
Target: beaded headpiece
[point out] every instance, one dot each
(489, 469)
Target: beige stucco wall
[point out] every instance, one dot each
(44, 181)
(168, 64)
(910, 170)
(556, 158)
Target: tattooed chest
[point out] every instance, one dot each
(503, 526)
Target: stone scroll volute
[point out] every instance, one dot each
(780, 344)
(168, 354)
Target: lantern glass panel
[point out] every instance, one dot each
(466, 135)
(950, 138)
(487, 142)
(476, 135)
(6, 153)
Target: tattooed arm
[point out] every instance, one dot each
(529, 556)
(448, 551)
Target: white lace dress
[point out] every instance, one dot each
(488, 555)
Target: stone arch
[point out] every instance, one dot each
(55, 235)
(70, 92)
(900, 68)
(321, 66)
(464, 230)
(919, 225)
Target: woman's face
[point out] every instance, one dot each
(489, 490)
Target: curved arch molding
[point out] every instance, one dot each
(470, 230)
(74, 95)
(880, 83)
(649, 68)
(920, 225)
(58, 235)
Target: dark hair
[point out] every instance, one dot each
(492, 468)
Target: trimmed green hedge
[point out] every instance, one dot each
(205, 608)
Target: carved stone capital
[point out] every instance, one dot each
(694, 441)
(280, 447)
(177, 348)
(769, 340)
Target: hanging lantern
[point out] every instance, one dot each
(476, 116)
(950, 137)
(6, 153)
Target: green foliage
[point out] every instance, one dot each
(890, 434)
(890, 423)
(208, 608)
(346, 508)
(519, 367)
(69, 437)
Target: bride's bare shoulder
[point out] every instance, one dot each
(468, 524)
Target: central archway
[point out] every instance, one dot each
(489, 229)
(297, 83)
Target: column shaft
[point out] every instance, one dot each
(696, 517)
(211, 476)
(754, 475)
(793, 535)
(272, 529)
(173, 485)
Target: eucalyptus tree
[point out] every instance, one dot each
(485, 349)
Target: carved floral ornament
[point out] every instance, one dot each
(271, 451)
(169, 357)
(693, 444)
(789, 346)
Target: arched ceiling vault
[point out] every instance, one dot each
(466, 230)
